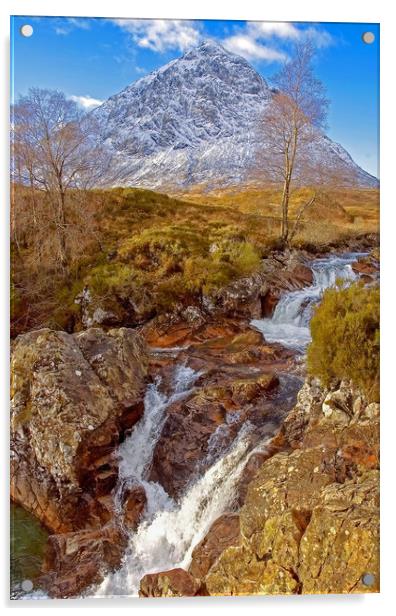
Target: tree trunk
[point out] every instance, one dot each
(36, 236)
(285, 211)
(290, 157)
(300, 214)
(61, 233)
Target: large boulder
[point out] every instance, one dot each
(330, 548)
(223, 534)
(310, 519)
(172, 583)
(72, 398)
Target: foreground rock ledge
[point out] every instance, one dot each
(73, 397)
(172, 583)
(310, 519)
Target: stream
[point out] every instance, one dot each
(170, 529)
(289, 324)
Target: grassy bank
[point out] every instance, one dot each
(142, 253)
(336, 214)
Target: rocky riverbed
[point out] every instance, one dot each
(190, 457)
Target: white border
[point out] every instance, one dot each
(288, 10)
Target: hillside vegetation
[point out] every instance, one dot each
(346, 338)
(335, 214)
(141, 252)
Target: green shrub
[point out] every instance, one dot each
(345, 338)
(240, 254)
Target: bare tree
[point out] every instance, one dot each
(55, 149)
(292, 123)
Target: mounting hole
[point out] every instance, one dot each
(368, 37)
(368, 579)
(27, 30)
(27, 585)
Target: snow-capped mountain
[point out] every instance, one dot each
(194, 122)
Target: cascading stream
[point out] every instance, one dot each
(136, 453)
(167, 540)
(289, 324)
(171, 529)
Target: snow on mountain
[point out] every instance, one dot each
(194, 121)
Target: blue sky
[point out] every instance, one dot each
(91, 59)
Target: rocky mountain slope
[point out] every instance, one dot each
(194, 121)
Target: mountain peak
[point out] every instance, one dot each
(210, 46)
(193, 121)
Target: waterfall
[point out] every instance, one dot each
(136, 453)
(168, 539)
(289, 324)
(170, 529)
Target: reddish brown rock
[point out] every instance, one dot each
(74, 561)
(223, 533)
(184, 445)
(245, 348)
(293, 276)
(269, 302)
(134, 502)
(365, 266)
(70, 395)
(168, 331)
(172, 583)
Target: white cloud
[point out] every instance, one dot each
(83, 24)
(251, 49)
(288, 31)
(320, 38)
(87, 102)
(279, 29)
(64, 26)
(251, 41)
(162, 34)
(61, 31)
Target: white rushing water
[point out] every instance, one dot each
(136, 453)
(167, 539)
(289, 324)
(171, 529)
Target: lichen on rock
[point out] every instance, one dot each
(310, 520)
(73, 396)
